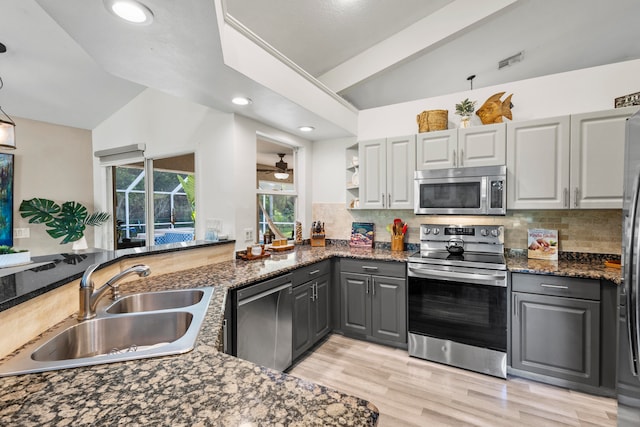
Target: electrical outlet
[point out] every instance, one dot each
(20, 233)
(248, 234)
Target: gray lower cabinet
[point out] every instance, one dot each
(311, 308)
(373, 306)
(555, 328)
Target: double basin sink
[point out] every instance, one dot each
(135, 326)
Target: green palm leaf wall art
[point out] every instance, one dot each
(68, 221)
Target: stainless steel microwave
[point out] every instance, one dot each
(461, 191)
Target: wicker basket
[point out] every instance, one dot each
(431, 120)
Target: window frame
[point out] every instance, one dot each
(289, 193)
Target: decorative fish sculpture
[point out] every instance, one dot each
(493, 109)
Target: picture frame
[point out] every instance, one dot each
(362, 234)
(6, 199)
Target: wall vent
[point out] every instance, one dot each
(511, 60)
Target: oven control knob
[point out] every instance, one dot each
(484, 232)
(426, 231)
(436, 231)
(495, 232)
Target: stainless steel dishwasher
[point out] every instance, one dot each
(264, 323)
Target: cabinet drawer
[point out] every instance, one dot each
(310, 272)
(379, 268)
(543, 284)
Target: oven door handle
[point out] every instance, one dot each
(487, 279)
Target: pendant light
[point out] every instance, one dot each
(7, 125)
(281, 165)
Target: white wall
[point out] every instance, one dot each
(52, 162)
(590, 89)
(329, 176)
(580, 91)
(225, 149)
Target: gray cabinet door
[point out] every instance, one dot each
(355, 305)
(321, 309)
(557, 337)
(389, 308)
(302, 308)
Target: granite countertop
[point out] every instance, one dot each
(47, 272)
(202, 387)
(205, 386)
(586, 266)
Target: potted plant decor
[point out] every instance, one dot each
(465, 109)
(68, 221)
(10, 257)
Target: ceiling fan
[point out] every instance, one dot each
(280, 170)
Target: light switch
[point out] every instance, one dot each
(20, 233)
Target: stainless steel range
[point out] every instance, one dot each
(458, 298)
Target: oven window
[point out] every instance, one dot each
(469, 314)
(450, 195)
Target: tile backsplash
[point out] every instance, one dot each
(591, 231)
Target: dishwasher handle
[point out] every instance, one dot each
(263, 294)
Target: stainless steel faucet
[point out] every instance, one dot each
(89, 299)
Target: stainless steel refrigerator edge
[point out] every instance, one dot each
(628, 382)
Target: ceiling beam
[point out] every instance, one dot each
(427, 32)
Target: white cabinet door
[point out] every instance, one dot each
(538, 164)
(401, 160)
(436, 150)
(373, 176)
(482, 146)
(597, 158)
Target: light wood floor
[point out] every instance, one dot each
(414, 392)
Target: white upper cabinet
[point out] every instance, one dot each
(569, 162)
(386, 173)
(482, 146)
(373, 177)
(538, 164)
(436, 150)
(468, 147)
(597, 158)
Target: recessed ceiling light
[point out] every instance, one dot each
(239, 100)
(130, 10)
(306, 128)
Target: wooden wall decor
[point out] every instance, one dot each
(494, 109)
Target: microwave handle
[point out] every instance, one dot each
(497, 182)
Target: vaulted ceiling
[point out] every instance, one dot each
(72, 63)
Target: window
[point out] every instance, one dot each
(276, 189)
(282, 211)
(173, 202)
